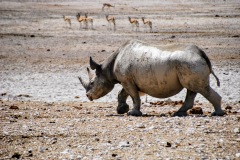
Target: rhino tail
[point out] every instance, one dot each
(218, 82)
(203, 54)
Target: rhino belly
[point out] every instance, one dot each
(159, 84)
(164, 93)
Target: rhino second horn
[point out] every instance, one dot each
(90, 75)
(84, 83)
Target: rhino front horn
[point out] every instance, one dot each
(84, 83)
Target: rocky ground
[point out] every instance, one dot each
(76, 130)
(44, 113)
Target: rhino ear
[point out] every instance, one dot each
(94, 65)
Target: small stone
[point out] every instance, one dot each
(168, 144)
(66, 151)
(54, 141)
(235, 36)
(25, 136)
(163, 115)
(16, 155)
(30, 154)
(114, 155)
(140, 126)
(228, 107)
(13, 107)
(124, 144)
(221, 141)
(13, 120)
(71, 157)
(41, 149)
(236, 130)
(3, 94)
(174, 146)
(196, 110)
(238, 155)
(152, 127)
(79, 157)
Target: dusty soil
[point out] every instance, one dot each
(44, 110)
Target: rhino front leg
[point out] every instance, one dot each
(131, 89)
(188, 104)
(123, 107)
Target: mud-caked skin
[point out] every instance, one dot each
(157, 71)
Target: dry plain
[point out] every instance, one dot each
(44, 113)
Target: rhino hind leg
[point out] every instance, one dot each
(188, 104)
(214, 98)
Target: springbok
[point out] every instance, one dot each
(68, 20)
(148, 23)
(90, 20)
(134, 22)
(107, 5)
(111, 20)
(81, 20)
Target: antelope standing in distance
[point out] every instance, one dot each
(81, 20)
(107, 5)
(111, 20)
(134, 22)
(90, 20)
(148, 23)
(68, 20)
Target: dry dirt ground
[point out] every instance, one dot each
(44, 113)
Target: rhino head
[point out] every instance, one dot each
(98, 84)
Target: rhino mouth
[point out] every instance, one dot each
(90, 97)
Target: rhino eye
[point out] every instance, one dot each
(91, 83)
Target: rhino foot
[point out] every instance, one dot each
(180, 114)
(122, 108)
(135, 113)
(221, 113)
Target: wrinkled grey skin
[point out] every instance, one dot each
(157, 71)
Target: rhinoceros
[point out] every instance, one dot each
(156, 71)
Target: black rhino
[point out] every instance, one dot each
(157, 71)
